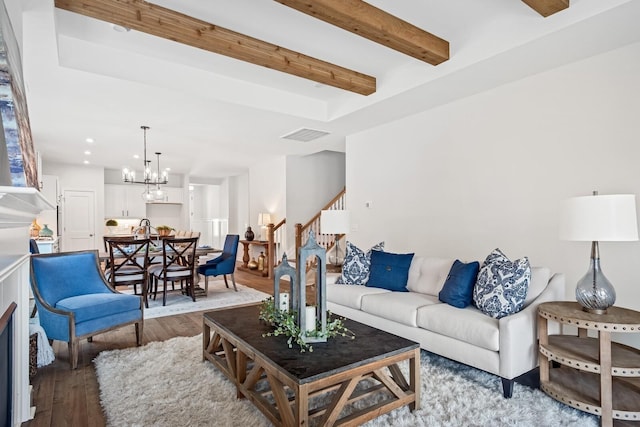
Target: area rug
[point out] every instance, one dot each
(176, 387)
(219, 296)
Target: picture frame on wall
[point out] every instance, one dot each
(18, 161)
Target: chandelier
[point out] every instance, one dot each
(150, 179)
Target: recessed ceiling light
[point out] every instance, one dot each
(88, 153)
(86, 162)
(120, 28)
(135, 156)
(167, 169)
(89, 140)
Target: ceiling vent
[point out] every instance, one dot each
(305, 135)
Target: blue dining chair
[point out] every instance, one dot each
(75, 301)
(223, 264)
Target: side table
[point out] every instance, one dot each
(595, 375)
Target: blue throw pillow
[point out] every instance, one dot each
(389, 271)
(356, 265)
(458, 288)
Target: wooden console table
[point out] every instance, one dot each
(245, 256)
(595, 375)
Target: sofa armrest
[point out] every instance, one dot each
(519, 332)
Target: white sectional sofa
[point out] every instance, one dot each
(506, 347)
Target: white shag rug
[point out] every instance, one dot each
(168, 384)
(218, 296)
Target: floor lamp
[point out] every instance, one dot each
(609, 218)
(335, 222)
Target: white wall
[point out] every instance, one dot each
(491, 170)
(238, 193)
(267, 184)
(312, 182)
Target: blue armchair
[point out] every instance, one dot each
(75, 301)
(223, 264)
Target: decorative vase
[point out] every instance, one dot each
(34, 229)
(253, 265)
(163, 232)
(261, 262)
(46, 232)
(249, 234)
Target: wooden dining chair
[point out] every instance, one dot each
(129, 264)
(178, 265)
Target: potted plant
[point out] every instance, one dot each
(164, 230)
(111, 225)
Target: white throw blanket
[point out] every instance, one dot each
(45, 352)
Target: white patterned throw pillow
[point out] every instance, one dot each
(357, 264)
(502, 284)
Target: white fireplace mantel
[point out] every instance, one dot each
(18, 208)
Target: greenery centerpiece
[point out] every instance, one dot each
(164, 230)
(111, 225)
(285, 323)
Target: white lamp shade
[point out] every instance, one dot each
(599, 218)
(264, 218)
(334, 222)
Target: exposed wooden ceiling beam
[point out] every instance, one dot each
(159, 21)
(547, 7)
(377, 25)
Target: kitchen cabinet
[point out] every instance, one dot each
(124, 201)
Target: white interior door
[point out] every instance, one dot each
(78, 220)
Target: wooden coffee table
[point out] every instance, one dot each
(288, 386)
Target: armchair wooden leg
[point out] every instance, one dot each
(233, 280)
(90, 339)
(224, 276)
(206, 285)
(73, 353)
(139, 330)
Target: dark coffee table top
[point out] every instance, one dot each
(336, 355)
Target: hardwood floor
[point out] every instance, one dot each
(72, 398)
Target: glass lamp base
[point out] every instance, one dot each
(594, 291)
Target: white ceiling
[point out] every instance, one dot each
(213, 116)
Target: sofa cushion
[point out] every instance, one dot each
(356, 265)
(467, 325)
(389, 271)
(350, 296)
(401, 307)
(501, 288)
(458, 288)
(427, 275)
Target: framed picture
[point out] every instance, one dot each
(18, 163)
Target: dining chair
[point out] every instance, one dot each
(75, 301)
(178, 265)
(224, 264)
(128, 264)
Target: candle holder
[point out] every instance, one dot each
(311, 320)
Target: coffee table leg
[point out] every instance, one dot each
(414, 374)
(206, 337)
(302, 405)
(241, 371)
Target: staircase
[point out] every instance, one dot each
(275, 234)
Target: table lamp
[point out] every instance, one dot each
(335, 222)
(598, 218)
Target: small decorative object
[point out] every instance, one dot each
(34, 229)
(301, 323)
(46, 232)
(261, 263)
(598, 218)
(253, 264)
(164, 230)
(284, 301)
(249, 234)
(111, 225)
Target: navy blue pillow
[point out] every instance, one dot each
(389, 271)
(458, 288)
